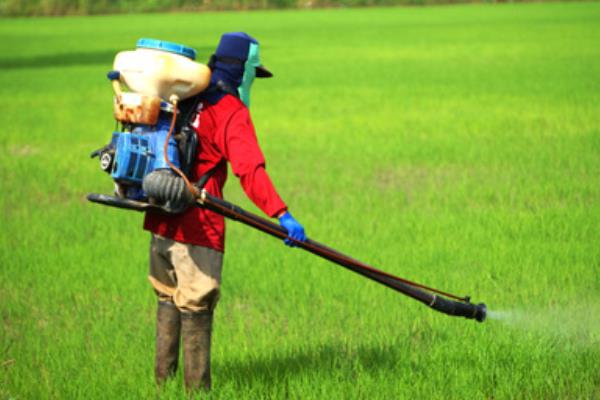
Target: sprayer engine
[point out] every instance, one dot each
(136, 152)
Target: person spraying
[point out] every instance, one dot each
(186, 250)
(163, 147)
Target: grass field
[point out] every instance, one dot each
(456, 146)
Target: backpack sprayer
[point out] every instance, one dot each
(149, 163)
(145, 157)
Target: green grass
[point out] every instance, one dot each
(456, 146)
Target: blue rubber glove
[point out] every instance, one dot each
(294, 229)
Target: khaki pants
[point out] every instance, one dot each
(187, 275)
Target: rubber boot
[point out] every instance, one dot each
(168, 326)
(196, 331)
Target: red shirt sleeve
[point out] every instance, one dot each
(240, 147)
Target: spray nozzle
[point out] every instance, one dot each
(480, 312)
(460, 309)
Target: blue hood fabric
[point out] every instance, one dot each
(230, 75)
(227, 64)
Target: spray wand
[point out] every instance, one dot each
(434, 298)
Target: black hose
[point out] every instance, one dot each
(461, 308)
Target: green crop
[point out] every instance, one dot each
(454, 146)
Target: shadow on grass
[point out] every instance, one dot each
(328, 359)
(60, 60)
(104, 57)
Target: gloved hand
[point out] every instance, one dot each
(293, 227)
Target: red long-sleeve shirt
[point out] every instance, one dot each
(225, 132)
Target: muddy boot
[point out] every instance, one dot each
(196, 331)
(168, 323)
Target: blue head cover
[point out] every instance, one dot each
(236, 63)
(234, 45)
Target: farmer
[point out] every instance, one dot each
(186, 250)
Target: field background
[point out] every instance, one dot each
(456, 146)
(92, 7)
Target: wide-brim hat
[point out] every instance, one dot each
(263, 72)
(235, 46)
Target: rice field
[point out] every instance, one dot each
(457, 146)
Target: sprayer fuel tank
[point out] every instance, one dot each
(159, 68)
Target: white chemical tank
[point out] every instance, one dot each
(163, 69)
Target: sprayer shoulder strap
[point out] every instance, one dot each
(204, 178)
(192, 107)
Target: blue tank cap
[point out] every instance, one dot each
(171, 47)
